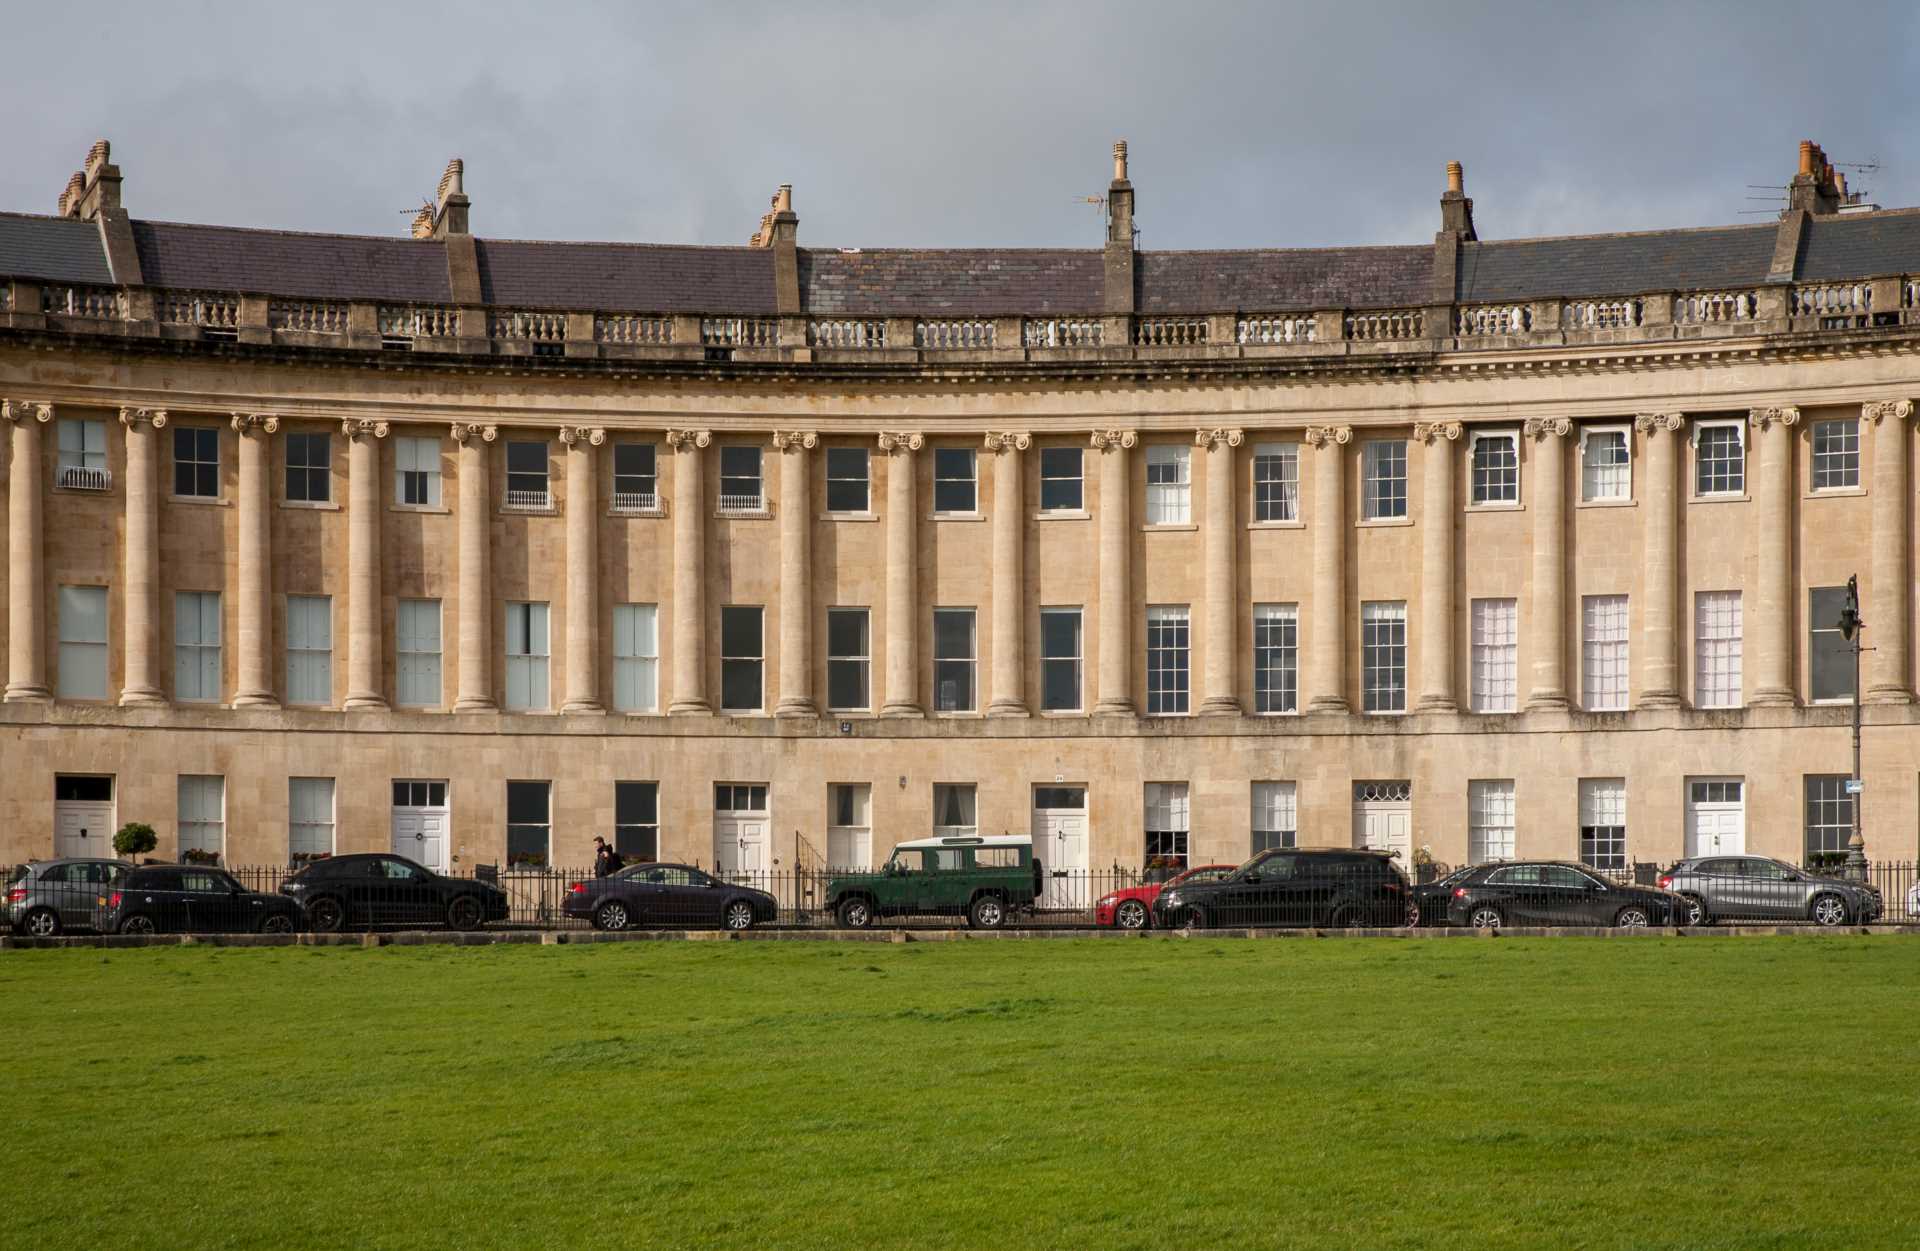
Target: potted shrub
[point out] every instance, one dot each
(199, 855)
(135, 838)
(1162, 868)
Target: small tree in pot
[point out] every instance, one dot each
(136, 838)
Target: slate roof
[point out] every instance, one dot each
(626, 277)
(958, 282)
(1660, 260)
(60, 249)
(282, 262)
(1866, 246)
(1282, 279)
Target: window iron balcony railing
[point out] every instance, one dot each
(530, 501)
(75, 478)
(743, 503)
(635, 502)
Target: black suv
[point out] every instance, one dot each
(192, 899)
(369, 890)
(1332, 888)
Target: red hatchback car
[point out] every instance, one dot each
(1132, 909)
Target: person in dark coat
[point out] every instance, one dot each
(606, 861)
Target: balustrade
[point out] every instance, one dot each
(1170, 331)
(954, 334)
(1061, 332)
(1406, 323)
(1260, 330)
(307, 316)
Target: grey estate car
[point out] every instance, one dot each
(45, 897)
(1757, 888)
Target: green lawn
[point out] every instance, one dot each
(1701, 1092)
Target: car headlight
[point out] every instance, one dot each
(1172, 897)
(1106, 900)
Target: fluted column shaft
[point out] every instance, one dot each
(363, 564)
(140, 614)
(1889, 612)
(1116, 567)
(583, 570)
(1547, 629)
(1659, 673)
(1327, 645)
(1437, 607)
(1220, 690)
(26, 557)
(796, 573)
(689, 572)
(1009, 577)
(475, 566)
(902, 695)
(1768, 622)
(253, 609)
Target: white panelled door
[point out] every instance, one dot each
(741, 829)
(1716, 816)
(1383, 819)
(1060, 844)
(83, 816)
(420, 823)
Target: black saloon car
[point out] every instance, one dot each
(193, 899)
(672, 895)
(1432, 898)
(1551, 892)
(1332, 888)
(363, 891)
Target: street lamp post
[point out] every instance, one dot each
(1850, 628)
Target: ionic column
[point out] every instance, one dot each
(1436, 565)
(254, 595)
(1891, 608)
(475, 692)
(1327, 645)
(1769, 623)
(1659, 669)
(26, 558)
(583, 570)
(1219, 692)
(796, 573)
(902, 693)
(139, 647)
(689, 572)
(1009, 580)
(1116, 562)
(1547, 628)
(363, 563)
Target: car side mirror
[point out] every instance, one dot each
(1793, 877)
(1253, 879)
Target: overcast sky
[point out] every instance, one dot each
(961, 124)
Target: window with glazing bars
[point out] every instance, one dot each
(196, 645)
(1166, 825)
(196, 462)
(636, 820)
(529, 823)
(526, 656)
(1384, 479)
(1276, 658)
(1062, 489)
(1276, 482)
(527, 475)
(1830, 666)
(309, 649)
(1275, 823)
(1496, 468)
(417, 653)
(953, 660)
(955, 488)
(1603, 652)
(1606, 464)
(416, 472)
(849, 660)
(83, 642)
(1496, 632)
(1383, 656)
(740, 483)
(636, 658)
(1836, 454)
(1490, 820)
(1167, 677)
(636, 479)
(1719, 459)
(1603, 822)
(1829, 813)
(1060, 643)
(1716, 650)
(742, 660)
(849, 482)
(1169, 484)
(309, 819)
(309, 467)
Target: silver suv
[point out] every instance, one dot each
(45, 897)
(1756, 888)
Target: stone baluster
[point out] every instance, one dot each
(364, 651)
(1437, 606)
(1327, 650)
(1890, 611)
(254, 602)
(475, 692)
(1770, 623)
(26, 556)
(1116, 561)
(689, 572)
(1548, 626)
(1659, 674)
(583, 570)
(796, 573)
(1220, 694)
(1009, 581)
(140, 619)
(902, 692)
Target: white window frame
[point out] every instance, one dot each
(1371, 454)
(1490, 820)
(855, 839)
(197, 676)
(1170, 495)
(737, 501)
(1587, 466)
(1603, 805)
(84, 668)
(1078, 479)
(304, 440)
(1275, 820)
(637, 829)
(527, 669)
(1475, 438)
(545, 827)
(865, 479)
(968, 794)
(418, 457)
(1076, 660)
(972, 479)
(1718, 626)
(416, 667)
(636, 658)
(969, 664)
(1605, 679)
(525, 498)
(83, 467)
(758, 661)
(862, 663)
(310, 650)
(1494, 633)
(1700, 428)
(1379, 658)
(1276, 686)
(203, 793)
(1175, 700)
(309, 821)
(1166, 812)
(634, 501)
(1285, 485)
(1814, 455)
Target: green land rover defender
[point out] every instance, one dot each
(982, 879)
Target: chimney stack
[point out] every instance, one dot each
(1818, 188)
(94, 188)
(1456, 210)
(1119, 249)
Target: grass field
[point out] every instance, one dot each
(1646, 1093)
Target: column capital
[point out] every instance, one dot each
(1763, 418)
(592, 436)
(1112, 440)
(155, 417)
(1433, 431)
(676, 439)
(901, 442)
(356, 427)
(1321, 436)
(1654, 423)
(255, 423)
(462, 431)
(796, 440)
(1878, 410)
(1008, 440)
(1221, 435)
(25, 410)
(1542, 427)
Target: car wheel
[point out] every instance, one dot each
(41, 923)
(987, 912)
(276, 923)
(855, 914)
(1634, 918)
(1131, 915)
(326, 915)
(612, 915)
(1196, 918)
(1485, 917)
(137, 924)
(464, 913)
(1829, 910)
(738, 916)
(1346, 917)
(1696, 911)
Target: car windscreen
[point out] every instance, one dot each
(19, 871)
